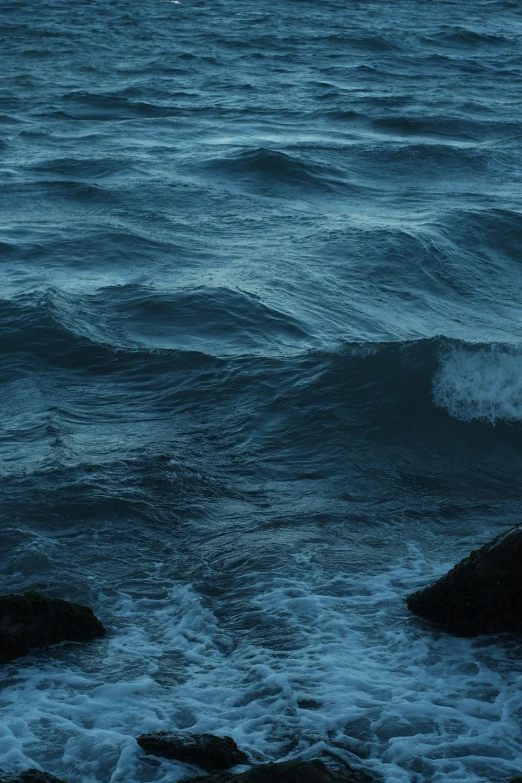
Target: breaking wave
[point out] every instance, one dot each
(482, 383)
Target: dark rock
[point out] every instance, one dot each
(480, 595)
(290, 772)
(28, 776)
(204, 750)
(29, 620)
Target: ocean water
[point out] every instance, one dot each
(261, 375)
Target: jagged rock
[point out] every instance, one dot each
(28, 776)
(290, 772)
(29, 620)
(482, 594)
(204, 750)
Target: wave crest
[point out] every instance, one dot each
(483, 383)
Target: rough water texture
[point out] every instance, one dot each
(261, 376)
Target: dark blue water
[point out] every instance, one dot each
(261, 369)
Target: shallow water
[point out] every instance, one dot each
(261, 375)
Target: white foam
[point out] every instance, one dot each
(480, 383)
(356, 676)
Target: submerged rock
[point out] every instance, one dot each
(291, 772)
(28, 776)
(29, 620)
(482, 594)
(204, 750)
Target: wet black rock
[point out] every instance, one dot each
(29, 620)
(291, 772)
(480, 595)
(204, 750)
(28, 776)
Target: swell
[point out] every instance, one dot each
(141, 336)
(396, 387)
(82, 105)
(268, 170)
(269, 359)
(408, 430)
(462, 37)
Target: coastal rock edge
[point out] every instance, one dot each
(207, 751)
(482, 594)
(28, 776)
(30, 620)
(290, 772)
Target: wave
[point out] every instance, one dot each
(398, 388)
(82, 168)
(372, 43)
(8, 119)
(469, 125)
(214, 320)
(270, 355)
(483, 383)
(469, 381)
(272, 168)
(84, 105)
(494, 231)
(63, 189)
(466, 37)
(131, 319)
(429, 126)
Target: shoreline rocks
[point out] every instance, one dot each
(314, 771)
(207, 751)
(28, 776)
(290, 772)
(482, 594)
(30, 620)
(216, 755)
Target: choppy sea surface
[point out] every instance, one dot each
(261, 375)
